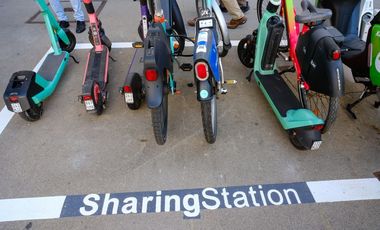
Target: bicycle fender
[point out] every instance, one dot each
(204, 91)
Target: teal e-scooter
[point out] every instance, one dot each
(27, 90)
(316, 60)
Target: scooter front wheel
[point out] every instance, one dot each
(72, 42)
(246, 50)
(32, 114)
(209, 119)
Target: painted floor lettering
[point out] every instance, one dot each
(189, 201)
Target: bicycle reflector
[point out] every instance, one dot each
(151, 74)
(201, 71)
(335, 54)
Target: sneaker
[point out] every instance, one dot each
(64, 24)
(81, 26)
(223, 9)
(245, 8)
(234, 23)
(191, 22)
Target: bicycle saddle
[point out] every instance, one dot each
(312, 14)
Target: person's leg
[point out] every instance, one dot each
(58, 10)
(238, 17)
(233, 8)
(78, 12)
(78, 15)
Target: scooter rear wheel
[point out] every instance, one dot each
(72, 42)
(32, 114)
(160, 116)
(160, 120)
(293, 139)
(136, 86)
(98, 99)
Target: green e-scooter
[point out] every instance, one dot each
(27, 90)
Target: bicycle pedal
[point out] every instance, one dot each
(230, 82)
(186, 67)
(138, 45)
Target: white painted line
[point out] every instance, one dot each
(31, 208)
(5, 118)
(345, 190)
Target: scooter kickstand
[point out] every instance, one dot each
(113, 59)
(249, 77)
(74, 59)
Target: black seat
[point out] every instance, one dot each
(311, 14)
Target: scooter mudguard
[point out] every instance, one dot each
(21, 88)
(375, 59)
(157, 56)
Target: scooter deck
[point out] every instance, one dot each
(281, 96)
(97, 67)
(51, 66)
(284, 103)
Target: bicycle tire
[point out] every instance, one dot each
(160, 118)
(312, 100)
(209, 119)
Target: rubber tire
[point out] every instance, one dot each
(259, 8)
(209, 119)
(246, 51)
(332, 109)
(160, 120)
(99, 105)
(136, 86)
(68, 48)
(178, 27)
(32, 114)
(295, 142)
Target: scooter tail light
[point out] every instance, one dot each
(151, 74)
(87, 98)
(201, 71)
(13, 98)
(127, 89)
(335, 55)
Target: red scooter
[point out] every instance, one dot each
(94, 94)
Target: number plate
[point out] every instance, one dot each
(16, 107)
(89, 105)
(205, 23)
(129, 98)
